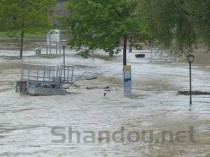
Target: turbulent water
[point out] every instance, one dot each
(97, 122)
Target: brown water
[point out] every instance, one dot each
(26, 121)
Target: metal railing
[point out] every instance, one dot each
(47, 74)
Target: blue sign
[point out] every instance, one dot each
(127, 79)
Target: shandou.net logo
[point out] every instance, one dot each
(70, 135)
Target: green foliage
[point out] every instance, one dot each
(20, 16)
(27, 15)
(177, 24)
(200, 17)
(84, 53)
(101, 24)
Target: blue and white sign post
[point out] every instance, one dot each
(127, 79)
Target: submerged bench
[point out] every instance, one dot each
(140, 55)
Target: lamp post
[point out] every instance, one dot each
(190, 59)
(64, 43)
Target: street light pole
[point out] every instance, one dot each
(190, 61)
(190, 83)
(64, 56)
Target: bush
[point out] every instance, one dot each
(84, 53)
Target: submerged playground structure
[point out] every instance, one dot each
(44, 80)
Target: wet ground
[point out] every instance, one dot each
(152, 122)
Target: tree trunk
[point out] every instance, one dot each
(21, 44)
(124, 50)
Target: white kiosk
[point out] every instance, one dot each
(53, 42)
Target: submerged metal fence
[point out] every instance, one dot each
(46, 74)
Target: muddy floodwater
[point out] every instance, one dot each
(93, 120)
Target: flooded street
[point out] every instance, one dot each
(152, 122)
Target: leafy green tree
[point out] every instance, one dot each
(199, 14)
(101, 24)
(178, 24)
(20, 16)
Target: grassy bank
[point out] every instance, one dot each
(28, 36)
